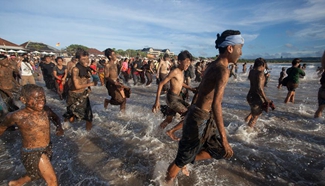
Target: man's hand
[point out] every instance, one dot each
(228, 150)
(155, 107)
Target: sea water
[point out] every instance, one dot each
(286, 147)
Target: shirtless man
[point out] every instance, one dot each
(199, 140)
(34, 126)
(78, 104)
(174, 101)
(256, 97)
(9, 87)
(321, 92)
(70, 65)
(163, 70)
(116, 90)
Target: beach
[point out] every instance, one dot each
(286, 147)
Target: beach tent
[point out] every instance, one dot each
(20, 51)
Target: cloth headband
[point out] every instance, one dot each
(231, 40)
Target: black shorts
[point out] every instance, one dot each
(199, 133)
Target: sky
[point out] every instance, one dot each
(271, 29)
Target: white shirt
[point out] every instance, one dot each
(26, 70)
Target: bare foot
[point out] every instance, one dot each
(20, 181)
(252, 122)
(248, 118)
(106, 102)
(171, 134)
(185, 171)
(88, 125)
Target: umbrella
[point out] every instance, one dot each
(11, 51)
(20, 51)
(51, 53)
(44, 53)
(36, 52)
(1, 50)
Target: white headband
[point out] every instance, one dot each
(231, 40)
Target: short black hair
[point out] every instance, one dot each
(296, 61)
(184, 54)
(108, 52)
(27, 90)
(259, 62)
(165, 56)
(223, 36)
(81, 52)
(56, 59)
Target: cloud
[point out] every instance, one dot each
(173, 24)
(288, 45)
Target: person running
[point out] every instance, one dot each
(282, 76)
(232, 71)
(244, 67)
(34, 126)
(94, 71)
(256, 97)
(124, 70)
(174, 100)
(321, 92)
(199, 140)
(293, 80)
(78, 104)
(47, 70)
(101, 75)
(116, 90)
(148, 71)
(60, 74)
(163, 70)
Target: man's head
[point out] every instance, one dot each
(166, 57)
(296, 62)
(33, 97)
(259, 62)
(74, 59)
(184, 59)
(83, 57)
(230, 44)
(47, 59)
(110, 54)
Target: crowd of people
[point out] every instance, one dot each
(203, 131)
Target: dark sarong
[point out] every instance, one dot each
(199, 133)
(79, 106)
(31, 158)
(321, 96)
(176, 103)
(256, 102)
(161, 78)
(116, 96)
